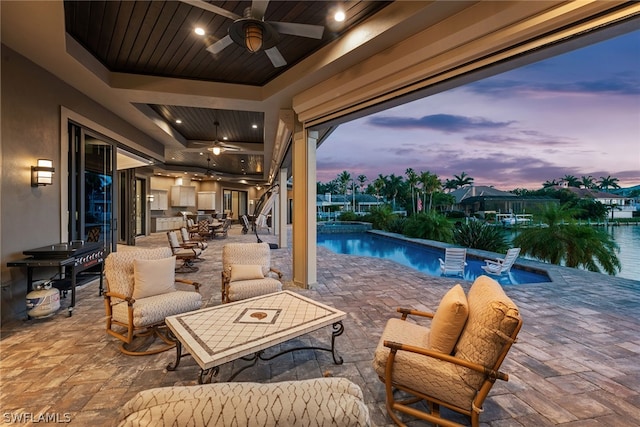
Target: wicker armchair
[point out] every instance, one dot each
(192, 241)
(246, 268)
(455, 362)
(222, 231)
(140, 293)
(187, 254)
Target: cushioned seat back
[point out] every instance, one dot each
(203, 226)
(118, 267)
(493, 319)
(246, 254)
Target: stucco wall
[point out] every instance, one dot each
(30, 115)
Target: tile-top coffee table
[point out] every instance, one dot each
(220, 334)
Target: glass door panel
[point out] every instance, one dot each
(99, 170)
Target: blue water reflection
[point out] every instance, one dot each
(420, 257)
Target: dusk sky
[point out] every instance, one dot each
(574, 114)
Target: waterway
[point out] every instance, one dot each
(627, 237)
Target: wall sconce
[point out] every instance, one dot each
(150, 198)
(42, 174)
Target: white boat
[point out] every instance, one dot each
(514, 219)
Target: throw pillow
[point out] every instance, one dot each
(153, 277)
(447, 323)
(246, 272)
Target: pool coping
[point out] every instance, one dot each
(522, 263)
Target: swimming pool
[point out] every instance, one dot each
(420, 257)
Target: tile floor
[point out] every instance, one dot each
(577, 361)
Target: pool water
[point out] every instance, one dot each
(420, 257)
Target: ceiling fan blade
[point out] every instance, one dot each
(218, 46)
(276, 57)
(212, 8)
(302, 30)
(258, 8)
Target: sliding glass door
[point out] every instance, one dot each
(92, 183)
(235, 202)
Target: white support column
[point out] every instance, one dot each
(282, 211)
(275, 216)
(304, 207)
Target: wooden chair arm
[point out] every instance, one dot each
(409, 311)
(226, 278)
(189, 282)
(109, 295)
(278, 272)
(394, 346)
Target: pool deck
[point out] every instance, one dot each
(576, 362)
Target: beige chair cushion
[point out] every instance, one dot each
(448, 321)
(314, 402)
(153, 310)
(118, 267)
(153, 277)
(492, 316)
(246, 272)
(248, 254)
(252, 288)
(431, 376)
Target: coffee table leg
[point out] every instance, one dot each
(338, 329)
(173, 366)
(208, 374)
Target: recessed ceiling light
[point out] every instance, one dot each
(199, 31)
(178, 121)
(241, 160)
(224, 138)
(254, 126)
(339, 16)
(201, 154)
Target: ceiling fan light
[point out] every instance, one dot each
(216, 151)
(253, 37)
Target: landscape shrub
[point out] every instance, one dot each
(432, 226)
(479, 235)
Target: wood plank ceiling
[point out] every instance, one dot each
(157, 38)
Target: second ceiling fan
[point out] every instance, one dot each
(255, 34)
(216, 146)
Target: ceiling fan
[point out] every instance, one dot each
(255, 34)
(209, 171)
(216, 147)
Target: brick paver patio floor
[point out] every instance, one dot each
(576, 362)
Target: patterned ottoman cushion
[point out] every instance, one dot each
(314, 402)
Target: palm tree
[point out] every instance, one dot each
(430, 184)
(379, 185)
(412, 180)
(575, 245)
(571, 181)
(361, 180)
(587, 181)
(462, 180)
(548, 184)
(605, 183)
(392, 186)
(450, 185)
(332, 187)
(343, 179)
